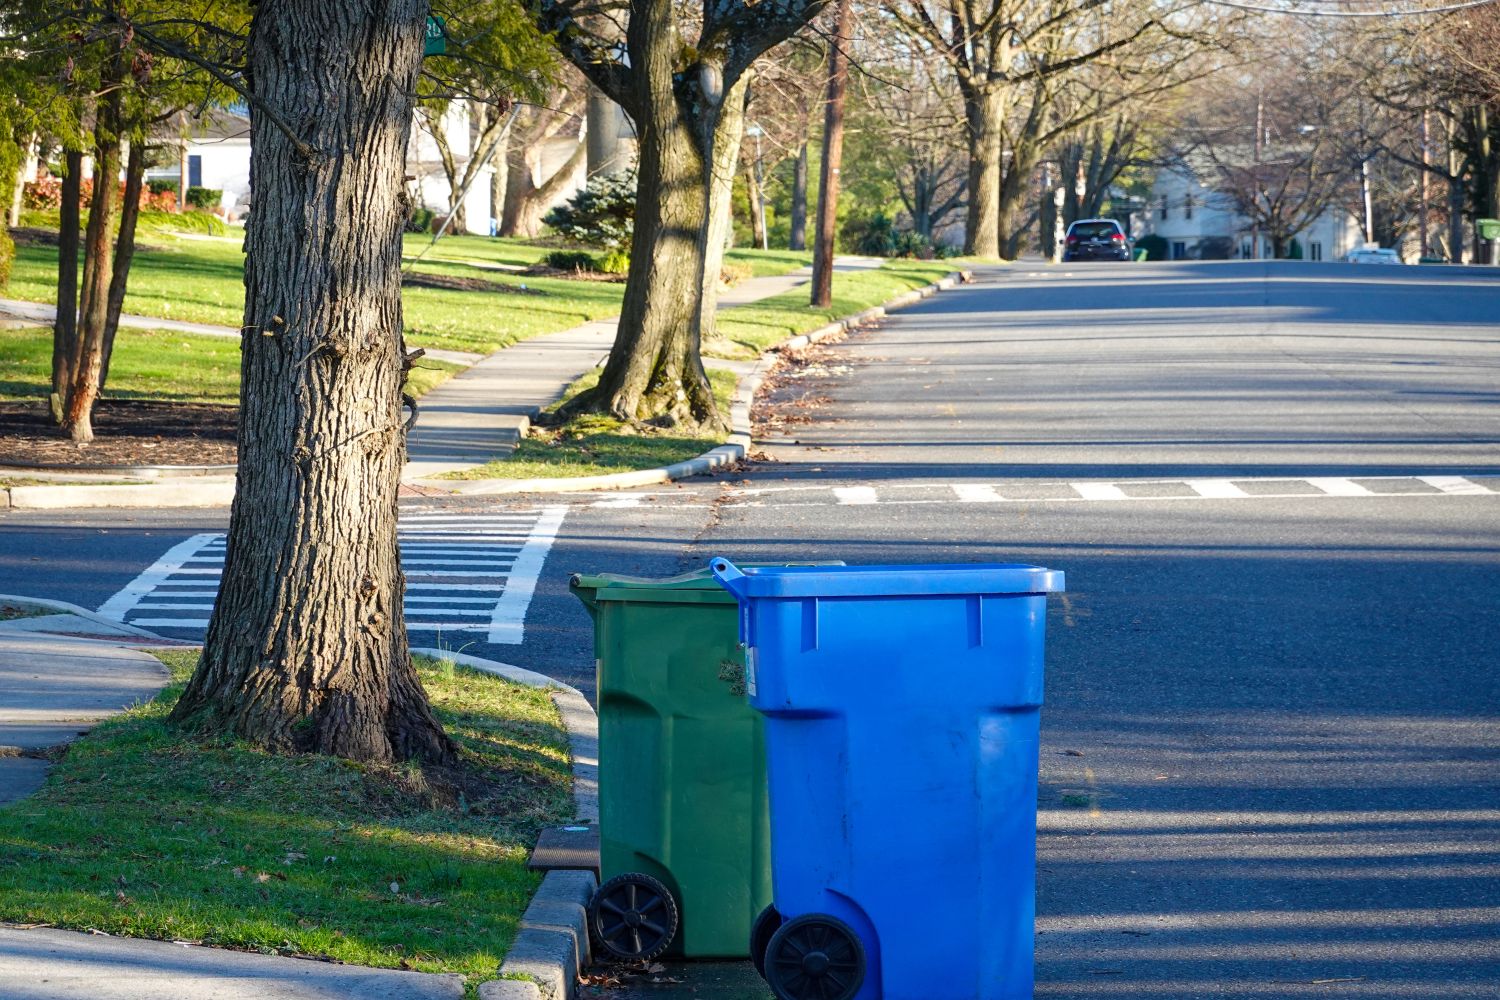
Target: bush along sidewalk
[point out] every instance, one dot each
(592, 445)
(210, 840)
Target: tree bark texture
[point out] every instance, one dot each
(527, 193)
(130, 211)
(798, 239)
(984, 108)
(98, 270)
(307, 647)
(65, 326)
(757, 217)
(833, 158)
(606, 149)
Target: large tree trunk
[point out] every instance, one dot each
(799, 201)
(606, 151)
(526, 196)
(65, 325)
(833, 158)
(307, 645)
(130, 211)
(655, 366)
(984, 107)
(1014, 188)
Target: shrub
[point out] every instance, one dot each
(572, 260)
(204, 198)
(601, 215)
(190, 222)
(615, 262)
(43, 193)
(1155, 246)
(420, 220)
(162, 185)
(878, 236)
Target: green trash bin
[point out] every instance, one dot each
(684, 833)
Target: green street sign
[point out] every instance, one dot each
(1489, 229)
(436, 42)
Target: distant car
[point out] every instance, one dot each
(1096, 239)
(1373, 255)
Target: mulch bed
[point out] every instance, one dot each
(447, 281)
(126, 432)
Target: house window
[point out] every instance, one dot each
(195, 171)
(1179, 250)
(1245, 250)
(1163, 206)
(1187, 207)
(1315, 251)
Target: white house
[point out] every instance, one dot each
(1198, 223)
(214, 152)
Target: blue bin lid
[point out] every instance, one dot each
(891, 581)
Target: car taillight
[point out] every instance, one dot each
(1072, 239)
(1118, 238)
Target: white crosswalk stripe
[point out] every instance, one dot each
(1133, 491)
(473, 574)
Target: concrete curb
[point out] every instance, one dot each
(552, 946)
(63, 607)
(219, 492)
(733, 450)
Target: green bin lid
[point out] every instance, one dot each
(697, 587)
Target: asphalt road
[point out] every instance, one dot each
(1271, 760)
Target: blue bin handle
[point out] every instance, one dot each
(729, 576)
(732, 580)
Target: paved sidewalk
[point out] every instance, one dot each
(54, 687)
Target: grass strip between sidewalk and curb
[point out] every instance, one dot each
(595, 445)
(746, 331)
(143, 830)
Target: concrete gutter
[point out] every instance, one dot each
(727, 454)
(216, 491)
(552, 947)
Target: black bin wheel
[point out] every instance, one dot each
(766, 925)
(633, 917)
(815, 957)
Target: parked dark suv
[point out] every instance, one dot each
(1096, 239)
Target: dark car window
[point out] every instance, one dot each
(1094, 230)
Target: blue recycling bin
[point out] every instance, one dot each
(902, 706)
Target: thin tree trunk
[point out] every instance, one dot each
(98, 270)
(984, 109)
(130, 210)
(307, 647)
(799, 201)
(65, 326)
(757, 217)
(833, 157)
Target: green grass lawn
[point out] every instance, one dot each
(768, 263)
(158, 364)
(745, 331)
(597, 445)
(144, 831)
(201, 281)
